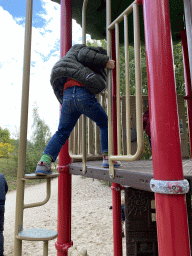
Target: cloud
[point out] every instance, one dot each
(11, 62)
(45, 51)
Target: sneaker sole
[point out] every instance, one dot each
(115, 166)
(105, 166)
(42, 174)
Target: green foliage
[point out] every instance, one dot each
(179, 75)
(41, 132)
(5, 149)
(178, 65)
(4, 135)
(95, 43)
(146, 148)
(9, 170)
(103, 44)
(131, 63)
(179, 69)
(6, 146)
(40, 137)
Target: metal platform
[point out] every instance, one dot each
(37, 234)
(135, 174)
(32, 176)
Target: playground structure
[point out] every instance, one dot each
(140, 179)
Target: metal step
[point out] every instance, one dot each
(37, 234)
(32, 176)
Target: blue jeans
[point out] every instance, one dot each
(77, 100)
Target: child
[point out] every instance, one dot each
(3, 191)
(79, 75)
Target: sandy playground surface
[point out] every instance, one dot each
(91, 218)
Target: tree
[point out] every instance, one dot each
(41, 134)
(40, 137)
(178, 65)
(179, 69)
(5, 149)
(4, 135)
(5, 143)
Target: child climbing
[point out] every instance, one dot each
(75, 79)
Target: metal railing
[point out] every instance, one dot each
(79, 147)
(139, 127)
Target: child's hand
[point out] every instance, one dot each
(110, 64)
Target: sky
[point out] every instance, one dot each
(45, 53)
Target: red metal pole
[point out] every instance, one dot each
(64, 212)
(117, 230)
(188, 84)
(64, 181)
(171, 213)
(139, 2)
(116, 188)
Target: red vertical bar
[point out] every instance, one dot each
(171, 210)
(117, 230)
(66, 26)
(64, 212)
(187, 84)
(140, 1)
(64, 180)
(116, 188)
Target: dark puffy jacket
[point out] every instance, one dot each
(83, 64)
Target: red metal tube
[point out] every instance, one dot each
(140, 1)
(117, 230)
(64, 181)
(167, 162)
(64, 212)
(116, 188)
(66, 26)
(187, 84)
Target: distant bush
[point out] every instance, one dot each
(146, 148)
(40, 137)
(5, 149)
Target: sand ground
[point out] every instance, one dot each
(91, 218)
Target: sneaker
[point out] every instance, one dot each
(43, 168)
(105, 163)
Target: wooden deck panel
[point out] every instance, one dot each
(135, 174)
